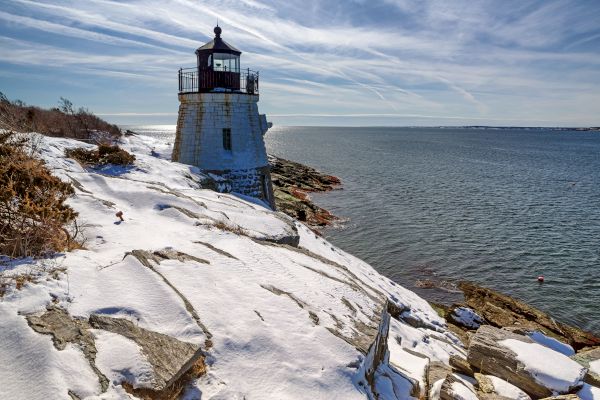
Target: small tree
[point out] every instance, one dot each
(66, 106)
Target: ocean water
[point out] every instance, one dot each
(496, 207)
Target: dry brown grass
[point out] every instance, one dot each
(238, 230)
(172, 392)
(46, 269)
(104, 154)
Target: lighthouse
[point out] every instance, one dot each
(219, 128)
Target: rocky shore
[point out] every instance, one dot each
(512, 343)
(292, 184)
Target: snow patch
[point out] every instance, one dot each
(551, 369)
(552, 343)
(121, 359)
(595, 366)
(463, 392)
(589, 392)
(507, 390)
(467, 317)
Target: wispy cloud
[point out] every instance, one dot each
(335, 59)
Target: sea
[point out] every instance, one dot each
(429, 207)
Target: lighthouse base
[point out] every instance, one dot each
(254, 182)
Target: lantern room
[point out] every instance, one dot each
(218, 70)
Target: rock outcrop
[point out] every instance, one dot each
(65, 329)
(500, 310)
(292, 183)
(170, 358)
(489, 354)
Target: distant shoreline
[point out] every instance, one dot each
(527, 128)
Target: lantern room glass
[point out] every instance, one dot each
(226, 62)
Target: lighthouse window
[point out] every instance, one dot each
(226, 62)
(227, 138)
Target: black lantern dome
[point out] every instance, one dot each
(218, 64)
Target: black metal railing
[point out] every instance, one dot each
(192, 80)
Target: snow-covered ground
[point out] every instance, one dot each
(283, 321)
(277, 311)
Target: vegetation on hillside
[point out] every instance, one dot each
(61, 121)
(103, 155)
(33, 213)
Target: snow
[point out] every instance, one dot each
(121, 359)
(552, 343)
(551, 369)
(434, 345)
(595, 366)
(284, 322)
(31, 367)
(467, 317)
(436, 387)
(463, 392)
(589, 392)
(507, 390)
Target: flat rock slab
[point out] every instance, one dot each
(502, 311)
(170, 358)
(488, 354)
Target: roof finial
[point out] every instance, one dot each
(217, 30)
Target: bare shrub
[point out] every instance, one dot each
(63, 121)
(104, 154)
(32, 208)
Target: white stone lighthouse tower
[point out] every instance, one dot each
(219, 128)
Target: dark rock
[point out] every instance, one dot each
(65, 329)
(292, 183)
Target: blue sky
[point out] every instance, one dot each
(350, 62)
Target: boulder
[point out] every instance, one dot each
(455, 388)
(170, 358)
(591, 360)
(537, 370)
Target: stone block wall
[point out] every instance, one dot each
(199, 136)
(199, 140)
(250, 182)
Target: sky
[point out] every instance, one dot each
(346, 62)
